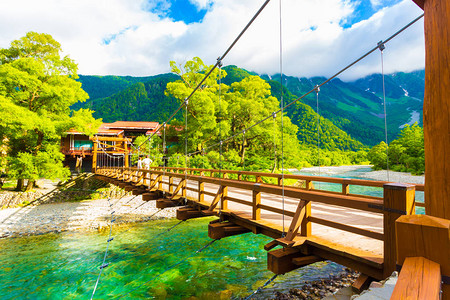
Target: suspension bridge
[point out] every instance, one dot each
(315, 225)
(374, 235)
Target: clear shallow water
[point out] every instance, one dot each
(65, 266)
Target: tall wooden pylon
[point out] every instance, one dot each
(436, 107)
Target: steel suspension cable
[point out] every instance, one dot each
(318, 127)
(319, 85)
(220, 131)
(170, 268)
(381, 46)
(261, 287)
(282, 117)
(215, 65)
(185, 149)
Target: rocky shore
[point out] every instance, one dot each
(81, 215)
(320, 289)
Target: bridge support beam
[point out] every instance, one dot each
(187, 213)
(225, 229)
(163, 203)
(138, 191)
(281, 261)
(151, 196)
(128, 188)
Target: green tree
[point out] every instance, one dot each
(406, 153)
(377, 156)
(37, 88)
(217, 111)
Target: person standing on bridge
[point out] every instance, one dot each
(139, 163)
(147, 162)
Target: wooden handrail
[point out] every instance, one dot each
(346, 181)
(420, 278)
(332, 198)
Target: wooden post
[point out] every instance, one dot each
(309, 185)
(201, 188)
(398, 201)
(239, 176)
(126, 157)
(170, 184)
(345, 187)
(224, 202)
(258, 179)
(256, 197)
(428, 237)
(306, 224)
(160, 182)
(436, 110)
(184, 187)
(94, 157)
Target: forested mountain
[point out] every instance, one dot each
(351, 112)
(142, 101)
(357, 107)
(105, 86)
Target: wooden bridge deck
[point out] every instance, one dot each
(353, 230)
(353, 217)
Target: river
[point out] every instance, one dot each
(147, 261)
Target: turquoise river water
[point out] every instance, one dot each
(66, 265)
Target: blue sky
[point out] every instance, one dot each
(180, 10)
(141, 37)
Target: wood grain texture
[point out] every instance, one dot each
(420, 278)
(397, 198)
(436, 108)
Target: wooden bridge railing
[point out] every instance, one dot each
(265, 177)
(397, 200)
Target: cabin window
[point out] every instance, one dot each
(86, 145)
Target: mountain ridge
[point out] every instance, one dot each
(355, 108)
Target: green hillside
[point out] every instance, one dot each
(357, 107)
(105, 86)
(351, 112)
(141, 101)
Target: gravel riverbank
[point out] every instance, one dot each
(82, 215)
(365, 171)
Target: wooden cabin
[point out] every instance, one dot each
(77, 143)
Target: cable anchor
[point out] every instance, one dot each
(219, 62)
(317, 89)
(381, 46)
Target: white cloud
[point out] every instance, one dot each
(142, 43)
(201, 4)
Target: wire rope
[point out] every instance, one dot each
(261, 287)
(169, 268)
(318, 128)
(282, 117)
(381, 46)
(319, 85)
(216, 65)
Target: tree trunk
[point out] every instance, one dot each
(30, 185)
(243, 153)
(20, 184)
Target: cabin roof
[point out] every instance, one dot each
(127, 125)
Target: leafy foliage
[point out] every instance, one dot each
(406, 154)
(37, 87)
(215, 113)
